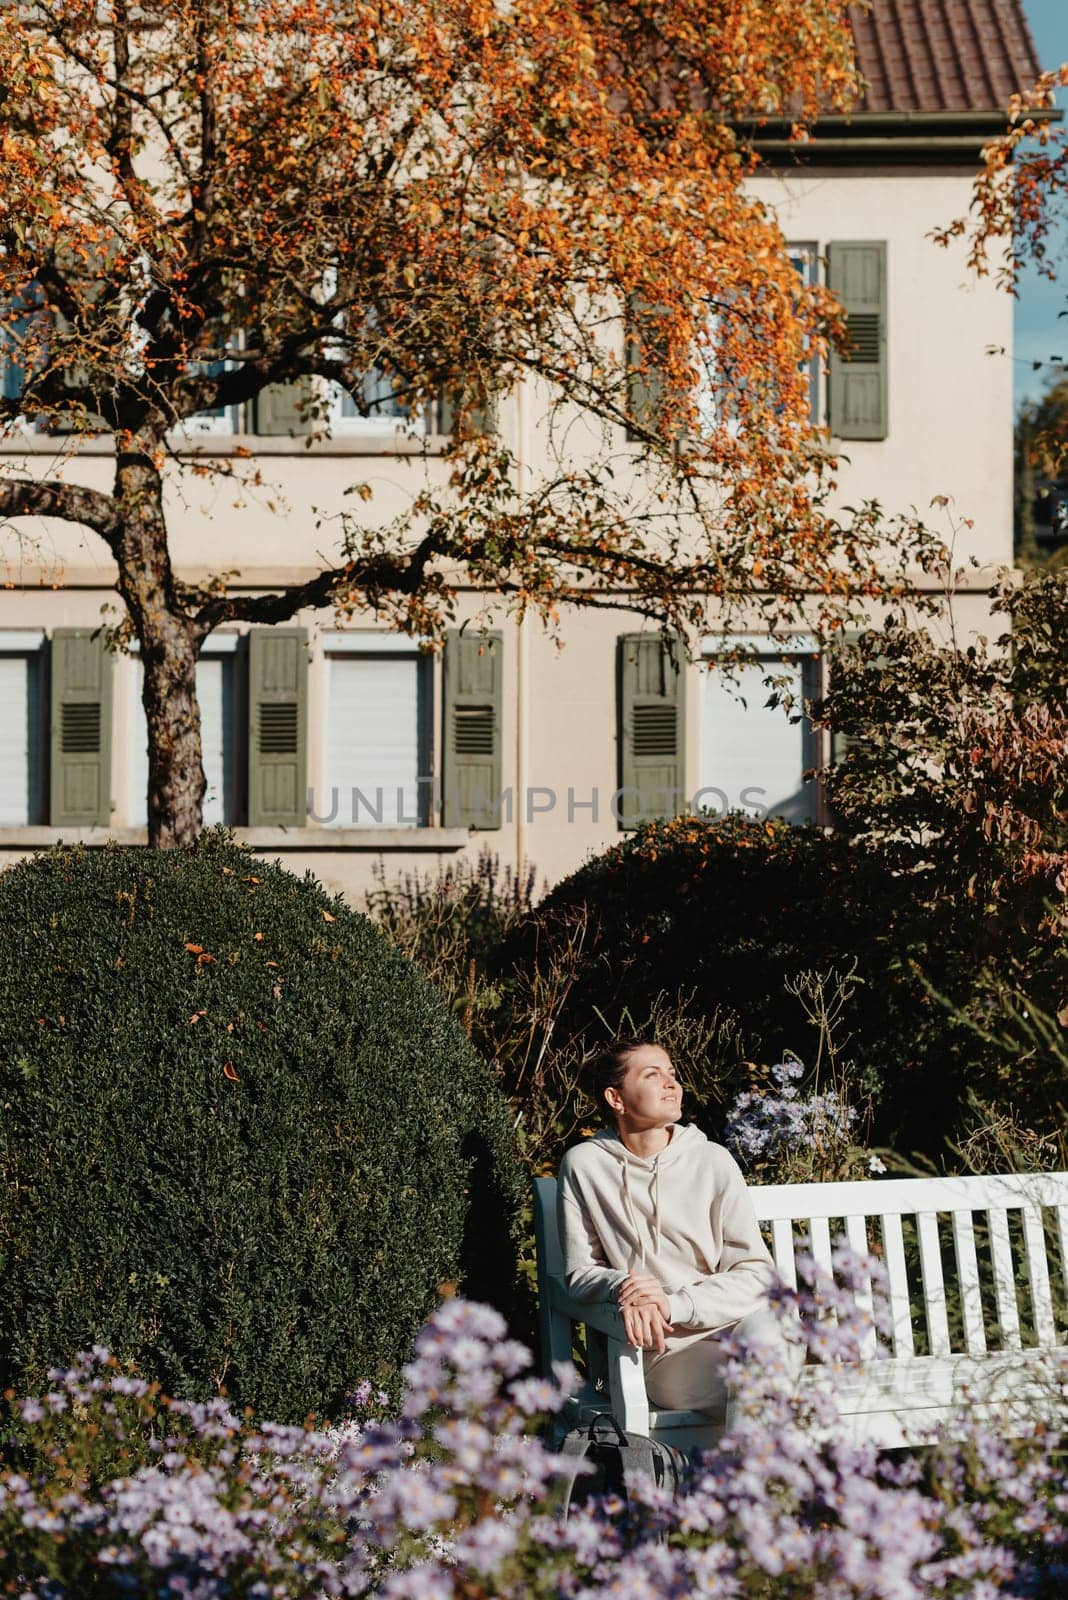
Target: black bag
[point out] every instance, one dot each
(613, 1453)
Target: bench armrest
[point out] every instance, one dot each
(599, 1314)
(627, 1399)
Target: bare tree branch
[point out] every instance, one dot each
(24, 497)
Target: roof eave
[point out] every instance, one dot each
(911, 137)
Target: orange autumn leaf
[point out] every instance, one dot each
(231, 1072)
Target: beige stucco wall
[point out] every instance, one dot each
(950, 433)
(559, 744)
(949, 344)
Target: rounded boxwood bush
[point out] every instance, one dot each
(242, 1141)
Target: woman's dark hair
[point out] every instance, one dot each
(607, 1071)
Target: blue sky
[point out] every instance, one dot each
(1040, 333)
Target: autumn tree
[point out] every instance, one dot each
(1040, 457)
(205, 199)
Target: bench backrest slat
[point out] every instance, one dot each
(782, 1248)
(856, 1228)
(968, 1280)
(898, 1282)
(1038, 1277)
(1004, 1278)
(934, 1289)
(547, 1239)
(820, 1239)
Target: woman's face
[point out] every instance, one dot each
(650, 1095)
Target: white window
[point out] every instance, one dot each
(805, 258)
(220, 419)
(386, 413)
(23, 729)
(377, 738)
(15, 360)
(11, 370)
(217, 691)
(753, 755)
(710, 380)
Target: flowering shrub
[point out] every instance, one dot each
(782, 1135)
(117, 1492)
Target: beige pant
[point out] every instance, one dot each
(693, 1378)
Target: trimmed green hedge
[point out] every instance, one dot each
(241, 1139)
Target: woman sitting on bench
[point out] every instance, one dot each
(656, 1219)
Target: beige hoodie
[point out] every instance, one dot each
(683, 1215)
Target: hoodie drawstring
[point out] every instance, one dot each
(628, 1208)
(631, 1215)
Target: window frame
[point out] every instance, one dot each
(31, 645)
(805, 256)
(801, 648)
(202, 425)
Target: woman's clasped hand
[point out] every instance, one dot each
(645, 1311)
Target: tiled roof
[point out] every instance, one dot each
(943, 55)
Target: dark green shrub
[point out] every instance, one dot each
(729, 913)
(241, 1138)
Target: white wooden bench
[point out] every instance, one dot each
(961, 1337)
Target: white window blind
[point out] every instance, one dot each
(216, 692)
(22, 737)
(376, 741)
(752, 754)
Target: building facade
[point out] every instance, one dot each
(344, 748)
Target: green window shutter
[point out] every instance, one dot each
(858, 403)
(80, 769)
(652, 728)
(284, 409)
(471, 746)
(277, 728)
(643, 356)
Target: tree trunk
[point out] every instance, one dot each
(170, 643)
(175, 770)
